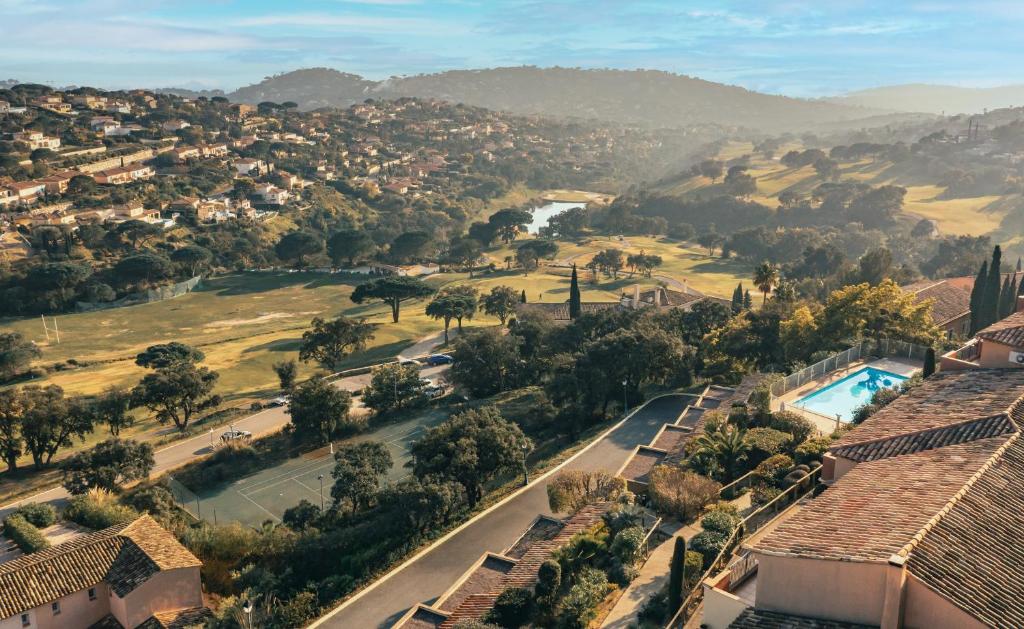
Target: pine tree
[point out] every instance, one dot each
(990, 298)
(575, 306)
(748, 303)
(976, 294)
(737, 298)
(675, 576)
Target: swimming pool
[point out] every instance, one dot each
(844, 396)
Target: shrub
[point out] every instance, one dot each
(569, 491)
(98, 510)
(709, 544)
(549, 579)
(21, 532)
(579, 606)
(773, 469)
(680, 492)
(627, 544)
(155, 500)
(800, 427)
(37, 514)
(694, 568)
(296, 612)
(512, 609)
(766, 442)
(763, 494)
(655, 610)
(719, 521)
(812, 449)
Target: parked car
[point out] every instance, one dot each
(279, 401)
(409, 361)
(433, 391)
(439, 359)
(236, 435)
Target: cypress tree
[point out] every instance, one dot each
(1011, 297)
(990, 298)
(737, 298)
(1018, 265)
(522, 298)
(747, 301)
(976, 294)
(575, 305)
(675, 576)
(1006, 294)
(929, 362)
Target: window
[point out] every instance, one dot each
(25, 620)
(55, 606)
(92, 594)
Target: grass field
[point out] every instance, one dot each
(997, 216)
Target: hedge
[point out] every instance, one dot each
(95, 514)
(38, 515)
(20, 531)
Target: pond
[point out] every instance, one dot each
(543, 213)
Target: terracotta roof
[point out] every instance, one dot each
(1009, 331)
(524, 573)
(878, 507)
(945, 399)
(763, 619)
(179, 619)
(928, 439)
(124, 556)
(543, 528)
(950, 300)
(484, 578)
(671, 437)
(641, 463)
(973, 556)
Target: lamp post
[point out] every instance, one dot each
(526, 470)
(625, 399)
(320, 477)
(247, 610)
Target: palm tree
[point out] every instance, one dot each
(766, 277)
(725, 448)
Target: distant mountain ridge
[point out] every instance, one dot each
(935, 99)
(648, 97)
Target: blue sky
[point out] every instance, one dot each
(793, 47)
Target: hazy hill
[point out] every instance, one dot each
(936, 99)
(653, 98)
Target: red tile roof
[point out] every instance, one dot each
(1009, 331)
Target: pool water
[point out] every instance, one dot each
(844, 396)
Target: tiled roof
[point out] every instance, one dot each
(483, 579)
(878, 507)
(543, 528)
(945, 399)
(1009, 331)
(179, 619)
(641, 463)
(524, 573)
(763, 619)
(973, 555)
(950, 300)
(124, 556)
(928, 439)
(671, 437)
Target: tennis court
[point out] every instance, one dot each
(266, 495)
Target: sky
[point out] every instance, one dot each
(793, 47)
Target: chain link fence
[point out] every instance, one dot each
(882, 348)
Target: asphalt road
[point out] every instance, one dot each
(177, 454)
(431, 573)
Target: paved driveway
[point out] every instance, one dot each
(430, 574)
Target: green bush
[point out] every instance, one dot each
(720, 522)
(579, 606)
(812, 449)
(763, 494)
(766, 442)
(627, 543)
(773, 469)
(155, 500)
(796, 425)
(38, 515)
(512, 609)
(297, 612)
(694, 568)
(709, 544)
(96, 513)
(21, 532)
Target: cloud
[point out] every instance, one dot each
(326, 20)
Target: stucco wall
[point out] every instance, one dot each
(924, 609)
(165, 591)
(838, 590)
(995, 355)
(720, 608)
(76, 611)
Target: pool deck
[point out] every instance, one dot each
(826, 425)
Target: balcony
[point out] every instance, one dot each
(729, 592)
(967, 357)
